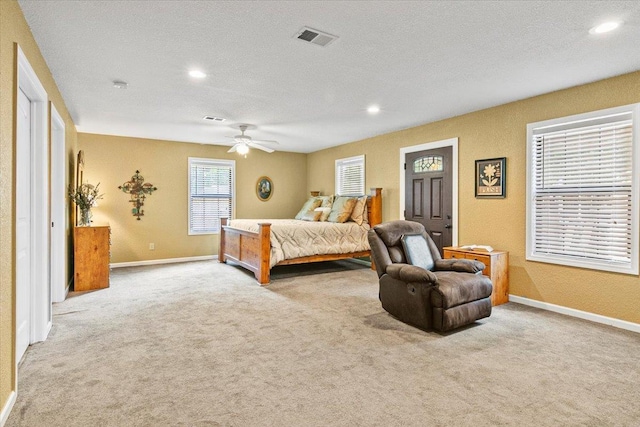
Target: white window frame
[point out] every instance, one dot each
(576, 122)
(343, 163)
(211, 162)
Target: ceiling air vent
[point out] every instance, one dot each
(213, 119)
(314, 36)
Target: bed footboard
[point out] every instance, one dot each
(249, 249)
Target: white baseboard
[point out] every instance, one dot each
(597, 318)
(162, 261)
(4, 415)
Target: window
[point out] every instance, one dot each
(428, 164)
(211, 194)
(582, 190)
(350, 176)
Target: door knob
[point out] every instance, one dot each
(447, 226)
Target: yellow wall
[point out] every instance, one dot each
(112, 160)
(14, 29)
(495, 132)
(501, 132)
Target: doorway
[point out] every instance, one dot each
(58, 251)
(32, 286)
(23, 225)
(428, 192)
(452, 222)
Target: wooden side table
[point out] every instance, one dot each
(91, 258)
(497, 268)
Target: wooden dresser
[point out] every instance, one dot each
(91, 254)
(497, 268)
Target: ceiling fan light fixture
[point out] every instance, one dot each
(243, 149)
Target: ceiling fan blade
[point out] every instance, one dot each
(266, 141)
(261, 147)
(233, 149)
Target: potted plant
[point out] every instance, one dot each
(85, 197)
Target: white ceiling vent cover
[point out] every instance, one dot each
(316, 37)
(214, 119)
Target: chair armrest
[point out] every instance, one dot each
(459, 265)
(410, 273)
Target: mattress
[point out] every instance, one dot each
(292, 238)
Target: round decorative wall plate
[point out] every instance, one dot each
(264, 188)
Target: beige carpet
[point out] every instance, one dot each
(201, 344)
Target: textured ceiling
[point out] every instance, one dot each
(420, 61)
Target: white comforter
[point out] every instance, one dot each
(292, 238)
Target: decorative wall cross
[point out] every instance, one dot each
(138, 190)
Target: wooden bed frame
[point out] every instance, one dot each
(252, 250)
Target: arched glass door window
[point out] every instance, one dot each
(428, 164)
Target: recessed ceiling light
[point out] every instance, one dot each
(197, 74)
(374, 109)
(604, 27)
(120, 84)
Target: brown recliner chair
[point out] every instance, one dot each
(420, 288)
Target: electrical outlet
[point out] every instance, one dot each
(152, 246)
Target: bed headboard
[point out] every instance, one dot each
(374, 205)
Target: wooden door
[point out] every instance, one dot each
(428, 192)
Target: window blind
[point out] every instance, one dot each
(211, 192)
(582, 183)
(350, 176)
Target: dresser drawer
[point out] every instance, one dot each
(485, 259)
(451, 254)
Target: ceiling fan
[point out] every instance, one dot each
(243, 142)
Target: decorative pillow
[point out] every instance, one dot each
(312, 215)
(417, 252)
(341, 209)
(324, 213)
(359, 209)
(365, 215)
(327, 201)
(309, 206)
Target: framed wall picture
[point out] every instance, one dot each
(264, 188)
(490, 178)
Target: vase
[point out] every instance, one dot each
(85, 218)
